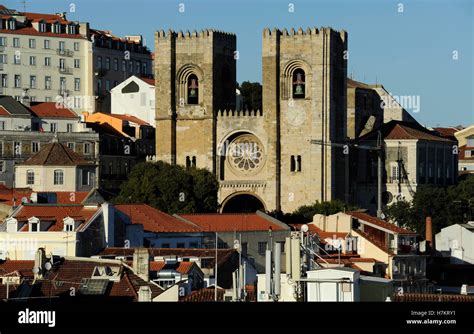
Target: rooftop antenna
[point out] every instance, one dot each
(24, 5)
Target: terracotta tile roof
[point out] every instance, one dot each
(204, 295)
(229, 222)
(322, 234)
(4, 112)
(183, 267)
(335, 260)
(447, 132)
(70, 273)
(45, 17)
(154, 220)
(55, 214)
(70, 197)
(406, 132)
(223, 255)
(432, 297)
(149, 81)
(14, 196)
(50, 110)
(403, 130)
(56, 154)
(30, 31)
(379, 222)
(208, 295)
(129, 118)
(23, 267)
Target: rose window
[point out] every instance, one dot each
(246, 154)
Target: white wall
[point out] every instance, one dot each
(328, 285)
(457, 242)
(140, 104)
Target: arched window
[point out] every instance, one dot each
(58, 177)
(299, 85)
(193, 89)
(30, 177)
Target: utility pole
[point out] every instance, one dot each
(378, 148)
(215, 274)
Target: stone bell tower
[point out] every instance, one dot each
(195, 76)
(304, 98)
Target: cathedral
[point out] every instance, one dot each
(263, 159)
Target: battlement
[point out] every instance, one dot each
(239, 113)
(314, 31)
(205, 33)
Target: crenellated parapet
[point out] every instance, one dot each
(309, 32)
(240, 113)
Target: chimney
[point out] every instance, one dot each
(141, 263)
(40, 261)
(429, 234)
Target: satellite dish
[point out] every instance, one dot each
(24, 200)
(35, 270)
(48, 266)
(304, 228)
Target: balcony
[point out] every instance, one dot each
(63, 91)
(65, 70)
(65, 52)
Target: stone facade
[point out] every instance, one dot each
(266, 153)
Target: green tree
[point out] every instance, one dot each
(305, 213)
(252, 95)
(171, 189)
(446, 206)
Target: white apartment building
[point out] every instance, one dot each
(51, 59)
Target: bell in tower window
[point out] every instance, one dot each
(298, 84)
(193, 89)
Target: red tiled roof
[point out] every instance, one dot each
(379, 222)
(229, 222)
(401, 131)
(183, 267)
(129, 118)
(223, 255)
(55, 214)
(23, 267)
(30, 31)
(4, 112)
(14, 196)
(70, 197)
(208, 295)
(322, 234)
(148, 81)
(432, 297)
(45, 17)
(70, 273)
(50, 110)
(154, 220)
(56, 154)
(447, 132)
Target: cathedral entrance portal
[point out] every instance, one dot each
(242, 203)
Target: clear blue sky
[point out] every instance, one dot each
(410, 53)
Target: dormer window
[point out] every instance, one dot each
(69, 224)
(34, 224)
(57, 28)
(71, 29)
(12, 24)
(42, 27)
